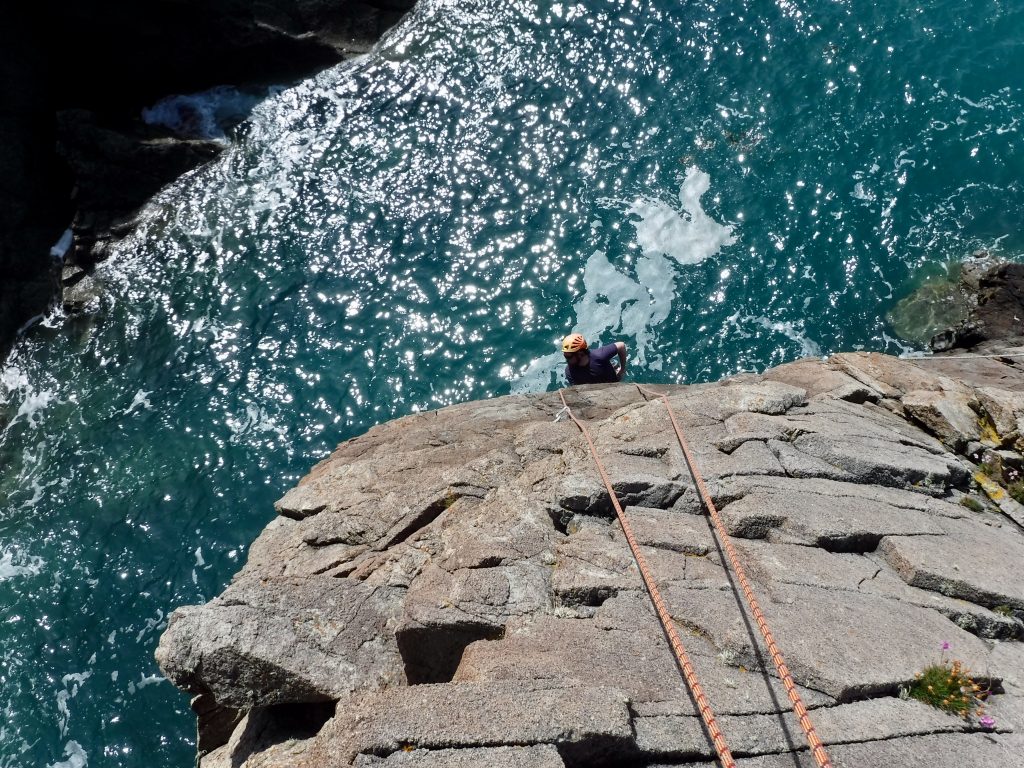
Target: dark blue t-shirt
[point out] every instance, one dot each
(599, 371)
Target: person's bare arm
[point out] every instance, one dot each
(622, 358)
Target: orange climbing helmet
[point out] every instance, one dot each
(574, 342)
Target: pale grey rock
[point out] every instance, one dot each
(821, 379)
(970, 563)
(736, 488)
(269, 737)
(768, 397)
(888, 718)
(507, 526)
(286, 640)
(590, 567)
(731, 442)
(796, 463)
(880, 462)
(670, 530)
(637, 662)
(934, 750)
(1004, 408)
(541, 756)
(847, 665)
(778, 563)
(950, 416)
(890, 376)
(752, 457)
(840, 523)
(583, 721)
(762, 426)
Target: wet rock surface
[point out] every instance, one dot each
(453, 589)
(996, 318)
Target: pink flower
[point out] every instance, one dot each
(987, 721)
(945, 645)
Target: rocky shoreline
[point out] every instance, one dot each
(451, 588)
(74, 150)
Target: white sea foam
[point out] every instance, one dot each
(256, 419)
(33, 404)
(792, 331)
(14, 382)
(538, 375)
(688, 235)
(860, 193)
(144, 681)
(141, 400)
(77, 758)
(12, 379)
(71, 682)
(14, 564)
(202, 115)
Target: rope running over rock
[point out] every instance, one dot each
(820, 755)
(683, 659)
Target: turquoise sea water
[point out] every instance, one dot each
(725, 186)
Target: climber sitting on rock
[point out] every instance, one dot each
(586, 366)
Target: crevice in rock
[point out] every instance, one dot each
(301, 721)
(927, 448)
(267, 727)
(422, 519)
(214, 723)
(490, 561)
(589, 597)
(754, 526)
(432, 654)
(861, 543)
(602, 751)
(560, 519)
(872, 577)
(645, 451)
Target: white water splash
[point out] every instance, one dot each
(15, 383)
(14, 564)
(77, 758)
(141, 400)
(204, 115)
(71, 682)
(144, 681)
(792, 331)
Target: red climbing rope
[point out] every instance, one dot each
(659, 605)
(817, 748)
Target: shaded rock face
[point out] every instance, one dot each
(32, 213)
(73, 148)
(452, 588)
(996, 320)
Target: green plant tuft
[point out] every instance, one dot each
(993, 469)
(1016, 491)
(972, 504)
(1003, 610)
(949, 687)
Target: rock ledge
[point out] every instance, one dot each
(451, 588)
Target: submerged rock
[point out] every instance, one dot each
(453, 589)
(939, 303)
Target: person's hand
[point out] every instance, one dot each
(622, 372)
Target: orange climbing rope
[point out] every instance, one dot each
(659, 605)
(817, 748)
